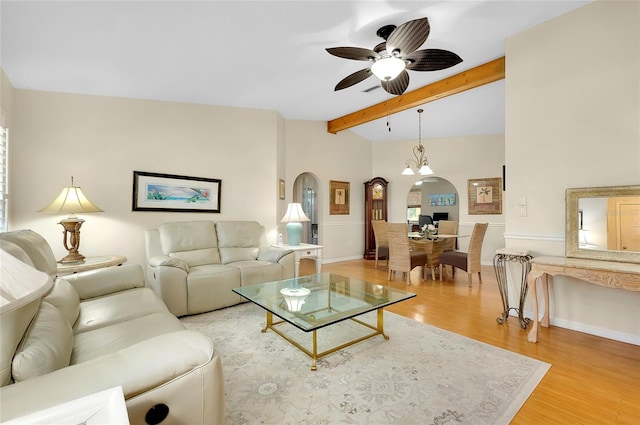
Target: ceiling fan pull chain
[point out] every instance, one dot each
(388, 116)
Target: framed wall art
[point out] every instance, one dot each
(442, 199)
(170, 192)
(485, 196)
(338, 197)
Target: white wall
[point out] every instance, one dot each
(455, 159)
(573, 120)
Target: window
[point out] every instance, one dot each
(413, 214)
(3, 179)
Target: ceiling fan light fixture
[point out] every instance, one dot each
(387, 69)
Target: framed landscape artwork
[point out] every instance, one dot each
(485, 196)
(170, 192)
(338, 197)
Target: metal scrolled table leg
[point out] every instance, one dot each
(500, 260)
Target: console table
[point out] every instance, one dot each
(604, 273)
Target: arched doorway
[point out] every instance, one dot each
(305, 191)
(434, 197)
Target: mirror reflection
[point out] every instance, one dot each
(604, 223)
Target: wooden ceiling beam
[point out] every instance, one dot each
(466, 80)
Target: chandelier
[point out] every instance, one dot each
(420, 162)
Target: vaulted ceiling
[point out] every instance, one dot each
(262, 54)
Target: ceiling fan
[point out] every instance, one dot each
(393, 57)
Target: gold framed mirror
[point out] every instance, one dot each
(603, 223)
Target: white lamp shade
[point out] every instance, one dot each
(294, 214)
(408, 171)
(425, 170)
(71, 200)
(388, 68)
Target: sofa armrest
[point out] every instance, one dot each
(161, 361)
(272, 253)
(95, 283)
(165, 260)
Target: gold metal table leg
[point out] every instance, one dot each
(269, 322)
(315, 351)
(379, 330)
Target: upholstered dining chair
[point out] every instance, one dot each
(467, 261)
(449, 227)
(381, 239)
(401, 257)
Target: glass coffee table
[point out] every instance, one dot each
(313, 302)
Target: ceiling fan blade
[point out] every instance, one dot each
(431, 60)
(355, 53)
(408, 37)
(398, 85)
(354, 78)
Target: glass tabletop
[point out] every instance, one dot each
(312, 302)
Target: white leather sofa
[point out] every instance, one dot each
(195, 265)
(97, 330)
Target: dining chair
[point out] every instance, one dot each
(433, 248)
(401, 257)
(467, 261)
(449, 227)
(381, 239)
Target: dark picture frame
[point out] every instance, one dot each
(175, 193)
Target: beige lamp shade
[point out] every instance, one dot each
(71, 200)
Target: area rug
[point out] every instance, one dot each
(421, 375)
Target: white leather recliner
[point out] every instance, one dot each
(93, 331)
(195, 265)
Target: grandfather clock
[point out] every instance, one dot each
(375, 208)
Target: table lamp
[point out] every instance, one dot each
(71, 200)
(294, 218)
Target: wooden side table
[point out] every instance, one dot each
(91, 263)
(305, 250)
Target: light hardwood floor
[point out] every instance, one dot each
(592, 380)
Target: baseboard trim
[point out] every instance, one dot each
(590, 329)
(337, 260)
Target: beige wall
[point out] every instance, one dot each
(102, 140)
(6, 100)
(455, 159)
(344, 157)
(573, 120)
